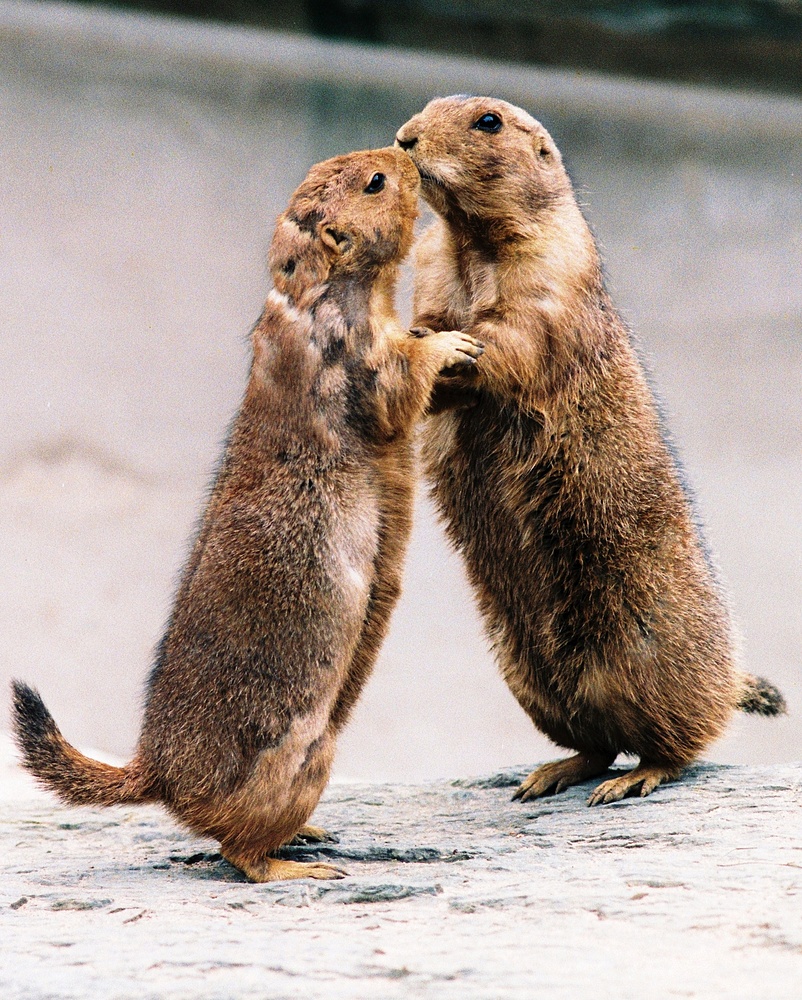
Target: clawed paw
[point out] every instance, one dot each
(609, 791)
(280, 870)
(321, 871)
(309, 834)
(539, 783)
(642, 777)
(558, 775)
(459, 349)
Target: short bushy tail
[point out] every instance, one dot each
(762, 697)
(61, 768)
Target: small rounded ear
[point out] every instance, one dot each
(335, 239)
(297, 261)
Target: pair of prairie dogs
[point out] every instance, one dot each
(546, 458)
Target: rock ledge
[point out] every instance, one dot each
(454, 892)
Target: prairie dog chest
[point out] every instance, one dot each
(459, 285)
(478, 282)
(353, 541)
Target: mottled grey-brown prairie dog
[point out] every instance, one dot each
(552, 472)
(297, 565)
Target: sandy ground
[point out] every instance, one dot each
(135, 212)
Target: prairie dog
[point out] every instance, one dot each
(554, 477)
(289, 587)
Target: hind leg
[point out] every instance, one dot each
(273, 805)
(396, 520)
(645, 776)
(561, 774)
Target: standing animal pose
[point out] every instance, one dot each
(552, 472)
(289, 587)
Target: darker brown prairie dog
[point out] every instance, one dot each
(289, 587)
(555, 480)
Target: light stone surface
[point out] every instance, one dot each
(454, 891)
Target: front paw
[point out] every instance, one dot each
(459, 349)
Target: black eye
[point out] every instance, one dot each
(488, 123)
(376, 184)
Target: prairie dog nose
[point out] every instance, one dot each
(405, 144)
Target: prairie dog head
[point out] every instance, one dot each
(481, 158)
(353, 214)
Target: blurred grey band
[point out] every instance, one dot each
(238, 63)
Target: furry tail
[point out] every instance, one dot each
(61, 768)
(762, 697)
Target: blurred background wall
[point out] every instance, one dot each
(143, 160)
(752, 43)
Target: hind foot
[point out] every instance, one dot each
(312, 835)
(561, 774)
(647, 776)
(278, 870)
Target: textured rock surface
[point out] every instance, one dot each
(454, 891)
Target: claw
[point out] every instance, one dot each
(309, 834)
(561, 774)
(645, 777)
(277, 870)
